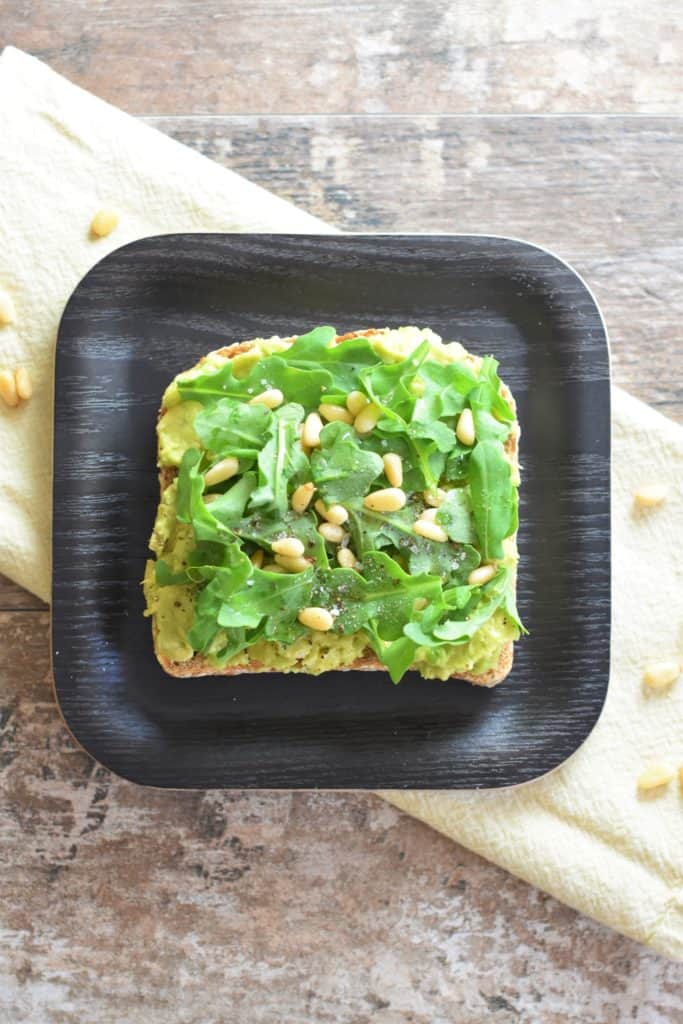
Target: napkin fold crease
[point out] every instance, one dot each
(581, 833)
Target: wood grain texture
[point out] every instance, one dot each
(377, 56)
(262, 907)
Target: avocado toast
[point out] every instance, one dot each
(337, 502)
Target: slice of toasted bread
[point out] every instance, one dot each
(199, 665)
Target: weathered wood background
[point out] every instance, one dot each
(122, 905)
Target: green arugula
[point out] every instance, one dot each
(494, 497)
(231, 427)
(342, 470)
(281, 460)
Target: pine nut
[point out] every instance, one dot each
(393, 468)
(289, 546)
(435, 498)
(420, 603)
(654, 776)
(390, 499)
(257, 558)
(429, 515)
(465, 428)
(318, 619)
(301, 498)
(8, 389)
(273, 567)
(680, 776)
(104, 222)
(312, 427)
(270, 398)
(208, 498)
(331, 532)
(661, 674)
(432, 531)
(346, 558)
(481, 575)
(356, 402)
(8, 313)
(650, 495)
(333, 413)
(223, 470)
(291, 564)
(23, 382)
(336, 514)
(367, 418)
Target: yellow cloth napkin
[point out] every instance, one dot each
(582, 833)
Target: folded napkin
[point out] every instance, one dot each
(582, 833)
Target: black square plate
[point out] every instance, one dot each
(149, 310)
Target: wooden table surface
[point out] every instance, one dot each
(119, 904)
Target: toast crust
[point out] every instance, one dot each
(198, 665)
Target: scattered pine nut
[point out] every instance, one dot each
(435, 498)
(393, 468)
(420, 603)
(23, 383)
(661, 674)
(318, 619)
(301, 498)
(389, 499)
(223, 470)
(367, 418)
(8, 313)
(336, 514)
(356, 402)
(257, 558)
(481, 575)
(346, 558)
(291, 547)
(465, 428)
(291, 564)
(429, 514)
(273, 567)
(654, 776)
(104, 222)
(335, 413)
(8, 389)
(209, 498)
(331, 532)
(311, 432)
(650, 495)
(271, 398)
(432, 531)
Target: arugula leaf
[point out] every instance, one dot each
(445, 389)
(281, 460)
(229, 507)
(501, 408)
(342, 362)
(275, 597)
(342, 470)
(388, 384)
(263, 529)
(304, 385)
(231, 427)
(455, 515)
(439, 625)
(494, 498)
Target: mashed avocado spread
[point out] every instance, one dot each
(423, 578)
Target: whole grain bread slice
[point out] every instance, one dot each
(199, 665)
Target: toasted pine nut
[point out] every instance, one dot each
(270, 398)
(429, 515)
(273, 567)
(8, 389)
(321, 508)
(208, 498)
(257, 558)
(312, 427)
(654, 776)
(481, 575)
(661, 674)
(335, 412)
(356, 401)
(389, 499)
(346, 558)
(465, 428)
(650, 495)
(336, 514)
(301, 498)
(393, 468)
(331, 532)
(435, 498)
(432, 531)
(420, 603)
(223, 470)
(367, 418)
(316, 618)
(289, 546)
(104, 222)
(291, 564)
(8, 313)
(23, 382)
